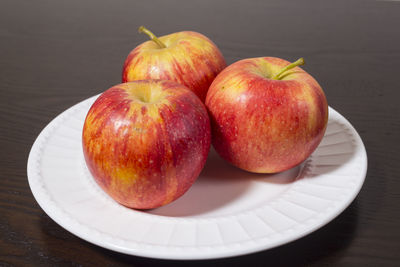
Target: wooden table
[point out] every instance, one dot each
(54, 54)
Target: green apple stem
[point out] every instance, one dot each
(154, 38)
(298, 62)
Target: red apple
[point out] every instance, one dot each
(267, 115)
(145, 142)
(187, 57)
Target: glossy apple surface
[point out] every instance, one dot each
(145, 142)
(187, 57)
(264, 124)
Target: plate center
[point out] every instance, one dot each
(223, 189)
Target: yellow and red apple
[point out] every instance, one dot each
(186, 57)
(145, 142)
(267, 115)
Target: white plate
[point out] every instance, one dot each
(227, 212)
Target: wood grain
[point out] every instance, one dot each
(56, 53)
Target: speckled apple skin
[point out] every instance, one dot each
(146, 153)
(190, 58)
(264, 125)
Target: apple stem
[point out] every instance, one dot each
(154, 38)
(298, 62)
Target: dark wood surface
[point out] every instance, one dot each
(54, 54)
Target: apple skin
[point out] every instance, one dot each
(264, 125)
(189, 58)
(145, 142)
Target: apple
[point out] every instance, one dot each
(267, 115)
(186, 57)
(145, 142)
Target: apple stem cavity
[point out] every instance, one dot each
(298, 62)
(154, 38)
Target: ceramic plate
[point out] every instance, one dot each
(227, 212)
